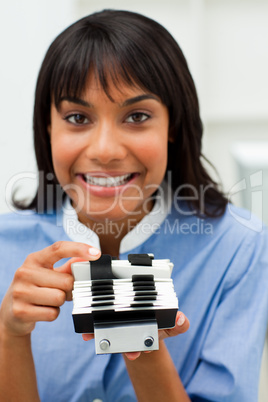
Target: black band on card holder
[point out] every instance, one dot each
(102, 268)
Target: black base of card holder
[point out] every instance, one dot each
(84, 323)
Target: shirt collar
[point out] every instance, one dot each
(137, 235)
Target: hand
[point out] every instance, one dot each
(38, 290)
(181, 326)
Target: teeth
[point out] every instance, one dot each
(107, 181)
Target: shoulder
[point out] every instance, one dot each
(23, 233)
(26, 220)
(239, 220)
(232, 241)
(234, 225)
(242, 235)
(29, 229)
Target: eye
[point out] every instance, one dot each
(138, 117)
(77, 119)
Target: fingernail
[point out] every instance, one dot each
(93, 251)
(181, 320)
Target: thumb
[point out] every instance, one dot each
(182, 325)
(66, 267)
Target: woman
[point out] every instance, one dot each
(118, 147)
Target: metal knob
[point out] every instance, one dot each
(148, 342)
(104, 344)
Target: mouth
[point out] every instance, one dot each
(105, 180)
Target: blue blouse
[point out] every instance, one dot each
(220, 276)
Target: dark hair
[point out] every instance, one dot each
(122, 45)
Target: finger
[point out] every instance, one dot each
(62, 249)
(66, 268)
(26, 313)
(41, 277)
(132, 355)
(182, 325)
(87, 337)
(42, 297)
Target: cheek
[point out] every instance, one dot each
(64, 155)
(153, 153)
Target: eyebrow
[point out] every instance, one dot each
(127, 102)
(78, 101)
(139, 98)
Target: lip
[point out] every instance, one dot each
(102, 191)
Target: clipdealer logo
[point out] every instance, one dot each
(255, 189)
(195, 227)
(252, 186)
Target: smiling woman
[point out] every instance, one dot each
(118, 145)
(108, 52)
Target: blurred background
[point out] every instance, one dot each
(226, 45)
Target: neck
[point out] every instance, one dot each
(110, 235)
(111, 232)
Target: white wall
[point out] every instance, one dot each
(235, 69)
(26, 29)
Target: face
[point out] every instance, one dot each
(110, 155)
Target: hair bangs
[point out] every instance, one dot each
(111, 58)
(69, 79)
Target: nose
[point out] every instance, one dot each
(106, 144)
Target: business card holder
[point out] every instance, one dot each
(124, 302)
